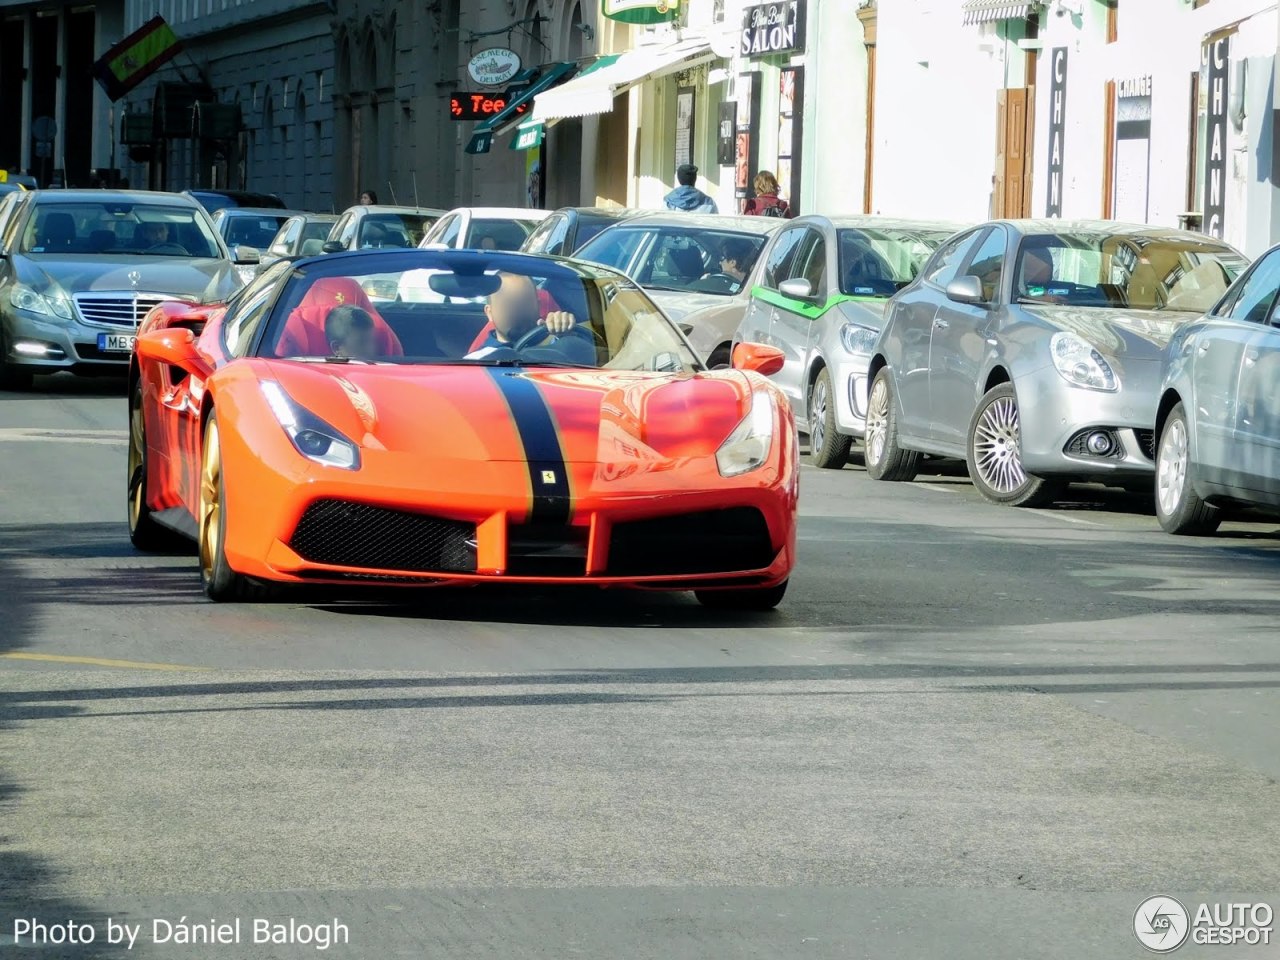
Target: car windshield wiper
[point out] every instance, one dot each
(554, 363)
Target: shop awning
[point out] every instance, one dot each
(989, 11)
(592, 91)
(510, 117)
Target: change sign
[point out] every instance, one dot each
(1217, 63)
(136, 57)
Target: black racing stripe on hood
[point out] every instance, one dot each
(548, 476)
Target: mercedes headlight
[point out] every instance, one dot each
(1080, 364)
(747, 447)
(857, 339)
(311, 436)
(52, 304)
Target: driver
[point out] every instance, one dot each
(153, 233)
(514, 311)
(350, 333)
(735, 259)
(1037, 275)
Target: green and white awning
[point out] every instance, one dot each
(991, 11)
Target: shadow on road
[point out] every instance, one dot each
(67, 385)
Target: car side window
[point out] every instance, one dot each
(249, 309)
(810, 263)
(285, 242)
(1256, 295)
(449, 232)
(987, 262)
(539, 241)
(946, 262)
(778, 267)
(556, 237)
(345, 231)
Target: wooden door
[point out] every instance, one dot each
(1014, 139)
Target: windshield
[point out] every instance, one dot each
(483, 310)
(496, 234)
(880, 262)
(1125, 271)
(678, 258)
(140, 229)
(251, 230)
(401, 230)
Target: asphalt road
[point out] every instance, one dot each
(969, 732)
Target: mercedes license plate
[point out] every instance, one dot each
(116, 342)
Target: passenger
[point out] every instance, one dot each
(514, 311)
(350, 333)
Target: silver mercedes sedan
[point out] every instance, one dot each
(79, 269)
(1218, 422)
(1032, 350)
(820, 299)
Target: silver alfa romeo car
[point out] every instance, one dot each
(1032, 350)
(820, 299)
(79, 269)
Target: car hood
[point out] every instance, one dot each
(205, 279)
(478, 413)
(679, 304)
(1136, 334)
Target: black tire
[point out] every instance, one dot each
(1178, 507)
(828, 448)
(721, 358)
(221, 583)
(743, 598)
(144, 533)
(10, 377)
(997, 470)
(885, 459)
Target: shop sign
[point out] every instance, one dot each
(1057, 127)
(1217, 63)
(468, 105)
(772, 28)
(1132, 164)
(494, 67)
(640, 11)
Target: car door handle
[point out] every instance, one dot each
(941, 324)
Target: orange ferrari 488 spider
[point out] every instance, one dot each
(517, 419)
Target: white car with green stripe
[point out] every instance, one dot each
(819, 295)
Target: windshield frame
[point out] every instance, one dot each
(372, 263)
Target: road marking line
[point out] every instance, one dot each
(1055, 515)
(97, 661)
(46, 435)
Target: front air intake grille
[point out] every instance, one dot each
(713, 541)
(347, 534)
(1147, 441)
(546, 550)
(116, 309)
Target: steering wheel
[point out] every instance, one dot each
(720, 276)
(540, 332)
(169, 246)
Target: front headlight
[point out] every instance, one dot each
(52, 305)
(1080, 364)
(857, 339)
(311, 436)
(748, 446)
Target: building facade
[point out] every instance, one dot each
(56, 124)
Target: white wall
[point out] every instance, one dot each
(935, 120)
(835, 112)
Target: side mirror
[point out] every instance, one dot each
(333, 246)
(245, 255)
(758, 357)
(966, 290)
(175, 346)
(797, 289)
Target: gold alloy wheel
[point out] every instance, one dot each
(137, 464)
(210, 527)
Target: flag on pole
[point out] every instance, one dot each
(136, 57)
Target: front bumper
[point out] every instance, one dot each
(62, 344)
(1056, 419)
(470, 522)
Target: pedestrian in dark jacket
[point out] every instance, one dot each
(766, 202)
(687, 197)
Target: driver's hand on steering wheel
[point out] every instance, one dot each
(559, 321)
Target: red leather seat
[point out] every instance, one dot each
(304, 335)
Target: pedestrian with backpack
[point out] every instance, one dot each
(766, 202)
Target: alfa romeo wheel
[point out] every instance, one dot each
(828, 448)
(1178, 507)
(885, 459)
(995, 453)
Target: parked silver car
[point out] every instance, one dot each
(697, 267)
(1032, 350)
(79, 269)
(1219, 414)
(820, 299)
